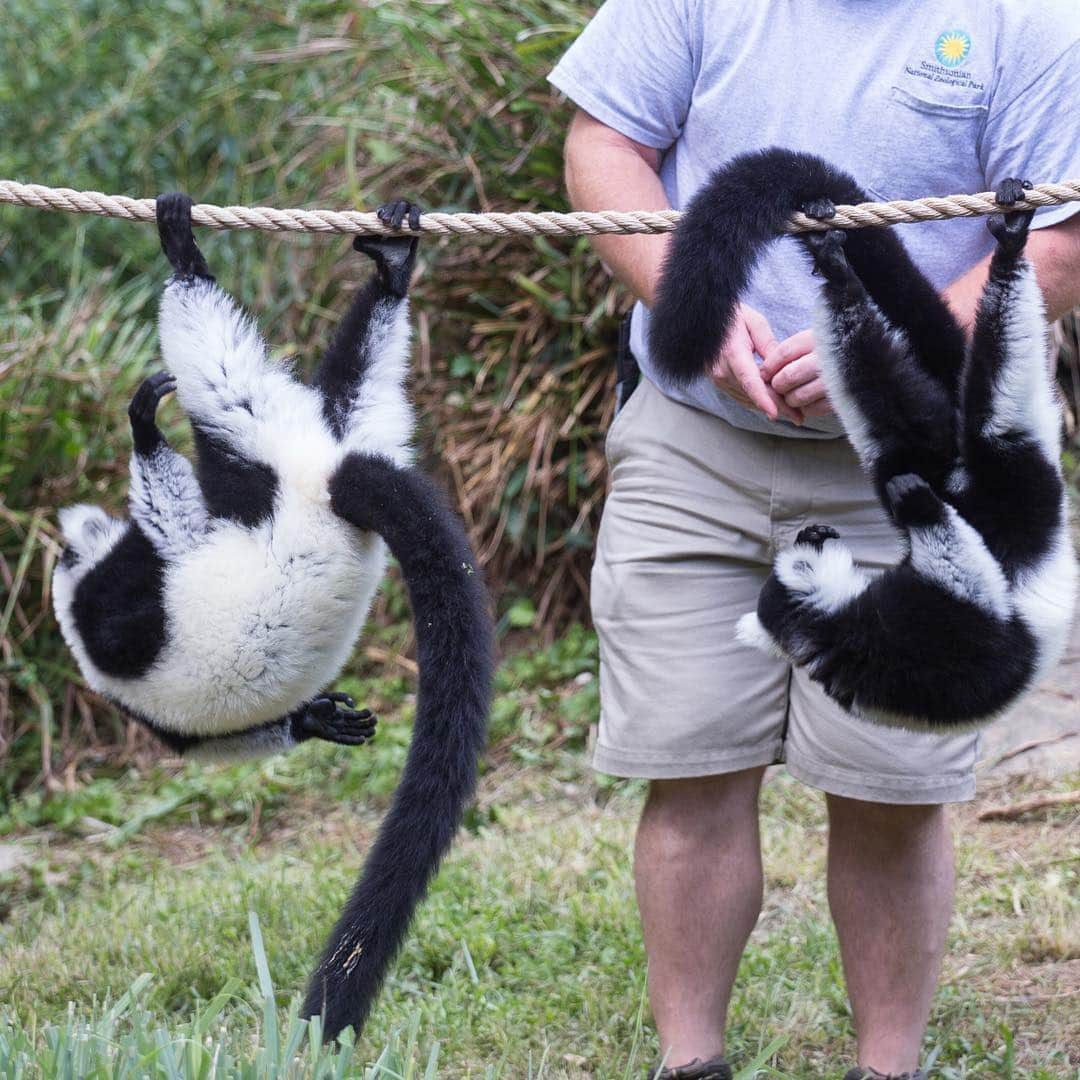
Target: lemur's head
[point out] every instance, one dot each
(89, 534)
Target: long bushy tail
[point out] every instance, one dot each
(717, 244)
(456, 649)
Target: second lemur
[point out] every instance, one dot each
(219, 613)
(960, 439)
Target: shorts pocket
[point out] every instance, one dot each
(927, 147)
(615, 433)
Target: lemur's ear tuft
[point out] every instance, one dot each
(89, 531)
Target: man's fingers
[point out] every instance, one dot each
(736, 371)
(806, 394)
(796, 374)
(745, 371)
(785, 410)
(822, 407)
(757, 326)
(784, 352)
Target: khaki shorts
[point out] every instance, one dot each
(697, 511)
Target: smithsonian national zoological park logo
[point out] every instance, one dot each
(952, 51)
(952, 48)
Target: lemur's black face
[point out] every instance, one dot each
(69, 558)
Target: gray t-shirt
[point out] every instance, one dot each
(913, 99)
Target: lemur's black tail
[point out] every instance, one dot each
(714, 250)
(456, 649)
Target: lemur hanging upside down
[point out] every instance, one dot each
(221, 610)
(961, 441)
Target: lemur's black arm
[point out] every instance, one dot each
(375, 318)
(177, 240)
(165, 498)
(331, 717)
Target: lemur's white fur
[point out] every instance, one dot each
(260, 618)
(166, 500)
(90, 531)
(828, 336)
(1023, 394)
(955, 557)
(1045, 597)
(827, 578)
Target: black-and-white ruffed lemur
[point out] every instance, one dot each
(220, 611)
(961, 440)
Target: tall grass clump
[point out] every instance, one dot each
(236, 1034)
(338, 104)
(319, 103)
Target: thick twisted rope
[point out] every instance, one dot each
(579, 223)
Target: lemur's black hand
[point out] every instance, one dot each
(177, 239)
(1010, 230)
(816, 535)
(393, 255)
(826, 248)
(820, 209)
(142, 411)
(332, 717)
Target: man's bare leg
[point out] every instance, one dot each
(697, 867)
(890, 890)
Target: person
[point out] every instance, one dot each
(709, 481)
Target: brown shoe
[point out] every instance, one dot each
(859, 1073)
(714, 1069)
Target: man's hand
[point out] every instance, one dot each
(792, 372)
(736, 372)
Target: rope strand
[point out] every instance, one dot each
(579, 223)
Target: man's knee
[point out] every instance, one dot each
(885, 825)
(684, 814)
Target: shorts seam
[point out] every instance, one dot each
(809, 770)
(607, 759)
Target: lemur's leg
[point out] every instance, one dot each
(233, 395)
(944, 548)
(891, 646)
(897, 417)
(331, 717)
(361, 377)
(1008, 387)
(810, 582)
(165, 499)
(905, 297)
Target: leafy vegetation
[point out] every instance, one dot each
(526, 960)
(317, 103)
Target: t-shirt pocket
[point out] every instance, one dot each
(927, 147)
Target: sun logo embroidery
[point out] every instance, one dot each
(952, 47)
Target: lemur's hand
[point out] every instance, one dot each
(1010, 230)
(142, 412)
(333, 718)
(177, 240)
(393, 255)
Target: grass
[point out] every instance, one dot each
(125, 917)
(527, 958)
